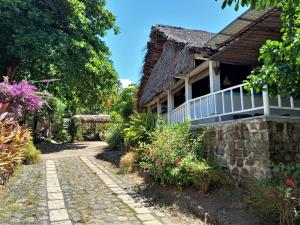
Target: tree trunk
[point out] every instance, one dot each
(11, 71)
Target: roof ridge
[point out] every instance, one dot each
(179, 28)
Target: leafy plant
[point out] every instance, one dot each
(280, 195)
(31, 154)
(13, 139)
(63, 136)
(176, 156)
(139, 129)
(115, 134)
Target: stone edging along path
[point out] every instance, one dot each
(58, 213)
(142, 213)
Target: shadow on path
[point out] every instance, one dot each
(52, 147)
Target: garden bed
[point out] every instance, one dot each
(220, 206)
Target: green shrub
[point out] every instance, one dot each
(115, 136)
(279, 195)
(31, 154)
(139, 129)
(176, 156)
(63, 135)
(74, 129)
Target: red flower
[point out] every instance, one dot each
(290, 182)
(152, 154)
(178, 161)
(158, 161)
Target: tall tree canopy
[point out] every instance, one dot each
(281, 59)
(59, 39)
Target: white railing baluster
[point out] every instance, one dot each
(201, 113)
(223, 101)
(279, 101)
(292, 102)
(252, 98)
(215, 104)
(266, 101)
(207, 105)
(195, 110)
(242, 98)
(231, 99)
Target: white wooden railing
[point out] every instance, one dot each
(224, 104)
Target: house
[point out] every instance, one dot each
(198, 76)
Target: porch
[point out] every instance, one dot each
(230, 104)
(214, 92)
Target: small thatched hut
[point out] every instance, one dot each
(89, 124)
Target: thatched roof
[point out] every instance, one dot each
(170, 52)
(101, 118)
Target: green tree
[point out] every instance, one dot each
(125, 102)
(280, 59)
(59, 39)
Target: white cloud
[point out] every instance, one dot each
(126, 82)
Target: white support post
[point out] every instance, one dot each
(266, 102)
(214, 76)
(170, 105)
(188, 96)
(159, 110)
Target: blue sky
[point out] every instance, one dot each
(135, 18)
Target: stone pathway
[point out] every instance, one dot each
(70, 189)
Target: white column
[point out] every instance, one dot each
(266, 103)
(188, 89)
(188, 96)
(214, 76)
(170, 105)
(158, 107)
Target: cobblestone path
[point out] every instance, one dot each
(73, 189)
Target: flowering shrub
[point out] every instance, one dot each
(23, 97)
(280, 195)
(176, 156)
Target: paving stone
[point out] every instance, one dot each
(65, 222)
(142, 210)
(152, 222)
(145, 217)
(59, 214)
(56, 204)
(55, 196)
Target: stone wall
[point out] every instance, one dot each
(246, 147)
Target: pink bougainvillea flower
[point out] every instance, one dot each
(146, 171)
(290, 182)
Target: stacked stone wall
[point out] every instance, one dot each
(246, 147)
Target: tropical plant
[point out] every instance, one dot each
(176, 156)
(13, 139)
(115, 134)
(139, 129)
(279, 195)
(125, 102)
(31, 154)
